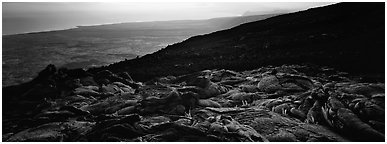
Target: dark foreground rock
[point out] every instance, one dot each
(287, 103)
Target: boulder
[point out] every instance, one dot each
(208, 103)
(127, 110)
(269, 84)
(273, 83)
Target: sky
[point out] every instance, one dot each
(22, 17)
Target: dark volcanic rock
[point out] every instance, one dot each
(264, 106)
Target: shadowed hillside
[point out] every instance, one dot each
(348, 36)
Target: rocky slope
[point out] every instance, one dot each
(285, 103)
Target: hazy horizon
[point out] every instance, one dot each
(21, 17)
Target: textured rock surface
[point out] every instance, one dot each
(287, 103)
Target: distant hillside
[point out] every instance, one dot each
(348, 36)
(202, 25)
(24, 55)
(252, 13)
